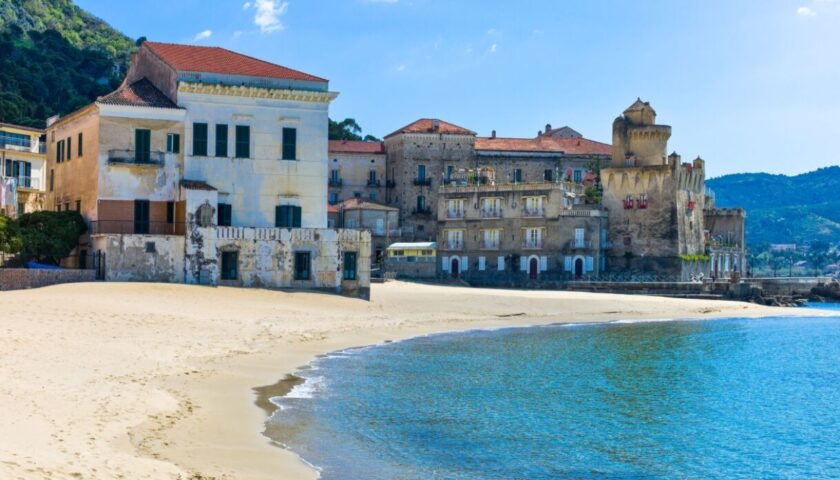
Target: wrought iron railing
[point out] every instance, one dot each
(133, 157)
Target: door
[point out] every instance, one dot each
(578, 268)
(455, 267)
(533, 268)
(141, 216)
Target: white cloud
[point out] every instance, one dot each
(202, 35)
(805, 12)
(401, 67)
(237, 34)
(268, 14)
(246, 5)
(493, 48)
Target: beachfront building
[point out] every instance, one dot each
(22, 169)
(412, 260)
(381, 221)
(356, 170)
(209, 167)
(725, 237)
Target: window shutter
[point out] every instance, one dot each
(543, 264)
(289, 144)
(465, 263)
(296, 214)
(243, 141)
(500, 264)
(523, 264)
(444, 264)
(482, 261)
(589, 264)
(80, 143)
(568, 265)
(278, 216)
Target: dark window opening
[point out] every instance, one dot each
(243, 141)
(79, 146)
(287, 216)
(141, 216)
(224, 215)
(548, 176)
(289, 143)
(349, 265)
(230, 265)
(142, 145)
(200, 139)
(302, 265)
(170, 212)
(222, 140)
(173, 143)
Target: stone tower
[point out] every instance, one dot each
(655, 201)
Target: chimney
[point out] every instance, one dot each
(547, 128)
(435, 124)
(493, 134)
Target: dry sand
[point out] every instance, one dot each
(119, 380)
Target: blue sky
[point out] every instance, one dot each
(747, 85)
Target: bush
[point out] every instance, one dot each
(10, 241)
(50, 236)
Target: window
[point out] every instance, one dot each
(372, 196)
(222, 140)
(349, 265)
(66, 206)
(548, 175)
(421, 203)
(372, 177)
(243, 141)
(173, 143)
(578, 176)
(199, 139)
(230, 265)
(69, 147)
(421, 172)
(141, 216)
(289, 143)
(142, 145)
(52, 179)
(449, 170)
(59, 151)
(20, 170)
(78, 205)
(333, 197)
(517, 175)
(79, 146)
(170, 212)
(287, 216)
(224, 215)
(579, 238)
(302, 265)
(335, 179)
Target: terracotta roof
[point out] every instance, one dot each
(139, 94)
(349, 146)
(638, 105)
(360, 203)
(432, 125)
(192, 58)
(197, 185)
(332, 208)
(569, 146)
(563, 132)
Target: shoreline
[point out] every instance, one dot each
(163, 377)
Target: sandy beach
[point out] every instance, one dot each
(119, 380)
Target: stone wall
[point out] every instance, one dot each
(142, 258)
(21, 278)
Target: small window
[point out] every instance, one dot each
(349, 265)
(224, 215)
(517, 175)
(170, 212)
(222, 140)
(230, 265)
(79, 147)
(548, 175)
(142, 145)
(78, 205)
(151, 247)
(69, 148)
(333, 197)
(421, 172)
(302, 265)
(59, 151)
(173, 143)
(372, 196)
(289, 143)
(287, 216)
(199, 139)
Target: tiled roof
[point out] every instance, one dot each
(638, 105)
(191, 58)
(197, 185)
(359, 203)
(349, 146)
(432, 125)
(332, 208)
(564, 132)
(569, 146)
(139, 94)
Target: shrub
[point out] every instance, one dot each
(50, 236)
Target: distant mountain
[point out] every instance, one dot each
(785, 209)
(54, 58)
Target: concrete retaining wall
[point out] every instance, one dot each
(20, 278)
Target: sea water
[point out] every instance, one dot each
(729, 399)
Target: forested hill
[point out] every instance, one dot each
(785, 209)
(54, 58)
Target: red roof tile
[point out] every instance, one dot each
(139, 94)
(349, 146)
(432, 125)
(570, 146)
(191, 58)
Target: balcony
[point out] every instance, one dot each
(336, 182)
(490, 244)
(452, 245)
(422, 211)
(533, 213)
(577, 244)
(374, 183)
(423, 182)
(491, 213)
(33, 183)
(532, 244)
(23, 145)
(454, 214)
(131, 157)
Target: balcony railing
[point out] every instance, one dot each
(28, 182)
(490, 245)
(23, 145)
(454, 245)
(454, 214)
(580, 244)
(494, 213)
(422, 211)
(374, 183)
(336, 182)
(390, 184)
(139, 227)
(534, 212)
(131, 157)
(423, 182)
(532, 244)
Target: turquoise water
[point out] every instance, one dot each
(825, 306)
(729, 399)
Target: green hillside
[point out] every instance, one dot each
(54, 58)
(785, 209)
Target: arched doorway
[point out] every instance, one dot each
(455, 267)
(533, 268)
(578, 267)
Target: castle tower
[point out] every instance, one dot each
(637, 140)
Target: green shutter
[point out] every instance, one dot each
(296, 213)
(289, 144)
(176, 143)
(200, 139)
(81, 149)
(221, 140)
(69, 147)
(142, 145)
(243, 141)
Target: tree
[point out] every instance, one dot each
(50, 236)
(10, 241)
(592, 195)
(348, 129)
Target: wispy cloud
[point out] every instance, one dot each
(267, 17)
(202, 35)
(401, 67)
(805, 12)
(493, 48)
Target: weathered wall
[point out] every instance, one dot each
(354, 172)
(142, 258)
(75, 179)
(20, 278)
